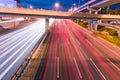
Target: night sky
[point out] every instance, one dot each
(49, 4)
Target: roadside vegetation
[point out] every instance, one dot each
(108, 34)
(110, 31)
(113, 39)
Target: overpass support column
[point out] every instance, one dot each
(95, 25)
(0, 19)
(46, 25)
(14, 21)
(92, 25)
(118, 33)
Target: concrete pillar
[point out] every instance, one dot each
(14, 22)
(95, 25)
(46, 25)
(89, 24)
(96, 12)
(0, 19)
(118, 33)
(90, 12)
(92, 25)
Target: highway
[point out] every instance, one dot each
(8, 24)
(74, 53)
(16, 45)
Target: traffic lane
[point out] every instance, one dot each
(65, 60)
(111, 49)
(79, 57)
(26, 28)
(103, 61)
(57, 59)
(73, 58)
(12, 55)
(7, 73)
(17, 46)
(22, 35)
(86, 60)
(106, 51)
(68, 60)
(94, 37)
(6, 38)
(69, 69)
(54, 60)
(25, 52)
(47, 60)
(14, 42)
(112, 56)
(13, 38)
(39, 35)
(96, 41)
(99, 60)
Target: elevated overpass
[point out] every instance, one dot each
(17, 12)
(96, 4)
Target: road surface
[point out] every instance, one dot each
(76, 54)
(15, 46)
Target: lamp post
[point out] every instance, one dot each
(57, 5)
(31, 6)
(75, 8)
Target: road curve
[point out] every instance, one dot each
(76, 54)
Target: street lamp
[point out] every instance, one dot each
(31, 6)
(70, 10)
(75, 8)
(57, 5)
(74, 4)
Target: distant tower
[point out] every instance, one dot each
(18, 3)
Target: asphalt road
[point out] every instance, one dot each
(76, 54)
(15, 46)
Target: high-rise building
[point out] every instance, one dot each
(8, 3)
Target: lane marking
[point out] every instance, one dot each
(57, 67)
(97, 69)
(89, 42)
(114, 65)
(77, 68)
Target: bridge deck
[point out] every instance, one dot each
(49, 13)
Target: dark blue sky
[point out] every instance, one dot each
(49, 4)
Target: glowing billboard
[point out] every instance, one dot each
(7, 3)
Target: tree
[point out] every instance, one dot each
(115, 12)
